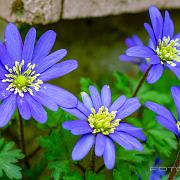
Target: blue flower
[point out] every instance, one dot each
(164, 116)
(157, 173)
(99, 122)
(165, 50)
(24, 70)
(141, 62)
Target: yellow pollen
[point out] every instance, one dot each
(178, 125)
(103, 121)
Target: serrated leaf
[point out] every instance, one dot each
(59, 167)
(8, 159)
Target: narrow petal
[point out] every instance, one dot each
(130, 106)
(7, 109)
(140, 51)
(100, 144)
(50, 60)
(23, 107)
(157, 21)
(75, 112)
(175, 93)
(109, 154)
(168, 124)
(3, 92)
(130, 59)
(137, 40)
(45, 100)
(2, 72)
(129, 42)
(86, 100)
(5, 57)
(155, 73)
(59, 70)
(168, 28)
(43, 46)
(13, 42)
(96, 98)
(155, 59)
(69, 125)
(131, 130)
(83, 129)
(62, 97)
(160, 110)
(117, 103)
(106, 96)
(83, 146)
(81, 107)
(36, 109)
(126, 141)
(28, 47)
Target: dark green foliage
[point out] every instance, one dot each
(8, 160)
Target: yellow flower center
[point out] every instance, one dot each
(167, 50)
(22, 80)
(103, 121)
(178, 125)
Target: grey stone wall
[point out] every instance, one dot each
(49, 11)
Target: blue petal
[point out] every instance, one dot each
(23, 107)
(75, 112)
(86, 100)
(157, 21)
(131, 130)
(81, 107)
(143, 67)
(13, 42)
(69, 125)
(83, 129)
(77, 127)
(36, 109)
(83, 146)
(109, 154)
(117, 103)
(129, 42)
(3, 92)
(45, 100)
(131, 59)
(28, 47)
(155, 73)
(106, 96)
(175, 92)
(140, 51)
(7, 109)
(160, 110)
(168, 28)
(126, 141)
(62, 97)
(43, 47)
(175, 70)
(137, 40)
(151, 34)
(5, 57)
(59, 70)
(2, 72)
(130, 106)
(155, 59)
(50, 60)
(168, 124)
(100, 144)
(96, 98)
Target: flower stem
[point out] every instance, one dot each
(142, 80)
(21, 140)
(175, 167)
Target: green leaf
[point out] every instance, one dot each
(93, 176)
(8, 159)
(59, 167)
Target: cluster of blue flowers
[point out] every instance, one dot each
(26, 66)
